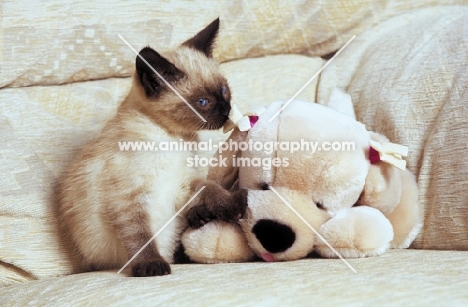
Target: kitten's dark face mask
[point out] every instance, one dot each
(190, 78)
(214, 105)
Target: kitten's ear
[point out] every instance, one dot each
(204, 39)
(150, 81)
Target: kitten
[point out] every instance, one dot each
(112, 202)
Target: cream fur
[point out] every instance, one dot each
(277, 210)
(216, 242)
(357, 232)
(88, 190)
(388, 215)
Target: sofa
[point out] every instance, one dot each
(64, 70)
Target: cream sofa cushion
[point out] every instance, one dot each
(398, 278)
(408, 79)
(43, 42)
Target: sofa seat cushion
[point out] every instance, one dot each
(398, 278)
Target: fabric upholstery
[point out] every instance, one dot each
(408, 80)
(44, 42)
(64, 70)
(404, 277)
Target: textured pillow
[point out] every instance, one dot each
(408, 79)
(42, 127)
(43, 42)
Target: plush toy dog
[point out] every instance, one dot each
(327, 185)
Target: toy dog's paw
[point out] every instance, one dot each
(355, 233)
(151, 268)
(199, 215)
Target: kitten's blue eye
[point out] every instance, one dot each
(202, 102)
(223, 90)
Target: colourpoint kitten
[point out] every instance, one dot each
(112, 202)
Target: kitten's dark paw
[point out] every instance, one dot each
(238, 206)
(198, 216)
(151, 268)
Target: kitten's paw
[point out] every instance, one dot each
(198, 216)
(236, 209)
(151, 268)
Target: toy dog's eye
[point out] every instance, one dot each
(264, 186)
(320, 206)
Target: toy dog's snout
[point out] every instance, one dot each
(275, 237)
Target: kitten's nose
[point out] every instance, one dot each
(274, 236)
(226, 109)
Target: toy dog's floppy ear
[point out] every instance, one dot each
(383, 187)
(226, 173)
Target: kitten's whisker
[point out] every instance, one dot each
(198, 126)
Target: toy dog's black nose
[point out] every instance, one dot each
(274, 236)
